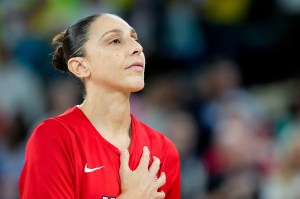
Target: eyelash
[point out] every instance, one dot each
(119, 41)
(114, 41)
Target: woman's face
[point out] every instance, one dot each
(114, 56)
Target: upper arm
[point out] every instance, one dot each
(48, 170)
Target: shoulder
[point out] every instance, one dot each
(59, 122)
(47, 134)
(50, 126)
(52, 131)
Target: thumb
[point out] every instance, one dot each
(124, 161)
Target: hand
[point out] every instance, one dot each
(142, 182)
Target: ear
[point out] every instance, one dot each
(78, 67)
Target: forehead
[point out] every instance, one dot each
(108, 22)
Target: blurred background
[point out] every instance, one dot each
(222, 82)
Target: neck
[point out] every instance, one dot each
(109, 112)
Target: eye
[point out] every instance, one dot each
(135, 37)
(115, 41)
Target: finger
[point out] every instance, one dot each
(144, 162)
(160, 195)
(154, 166)
(160, 181)
(124, 160)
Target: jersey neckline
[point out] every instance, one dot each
(133, 131)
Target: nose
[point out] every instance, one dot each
(136, 48)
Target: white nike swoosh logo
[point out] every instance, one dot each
(88, 170)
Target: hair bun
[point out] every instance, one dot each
(59, 61)
(59, 38)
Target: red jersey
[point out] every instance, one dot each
(66, 158)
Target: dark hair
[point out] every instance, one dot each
(70, 42)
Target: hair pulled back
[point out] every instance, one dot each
(70, 42)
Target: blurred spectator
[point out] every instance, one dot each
(181, 36)
(183, 131)
(284, 181)
(12, 149)
(145, 16)
(217, 78)
(236, 128)
(234, 169)
(21, 101)
(21, 91)
(15, 17)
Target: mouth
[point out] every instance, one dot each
(137, 65)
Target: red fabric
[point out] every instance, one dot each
(60, 148)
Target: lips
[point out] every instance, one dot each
(136, 65)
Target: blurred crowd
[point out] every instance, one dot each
(222, 82)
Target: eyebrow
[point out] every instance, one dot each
(132, 31)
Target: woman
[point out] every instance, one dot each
(82, 154)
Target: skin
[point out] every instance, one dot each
(112, 69)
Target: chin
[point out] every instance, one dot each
(137, 86)
(137, 89)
